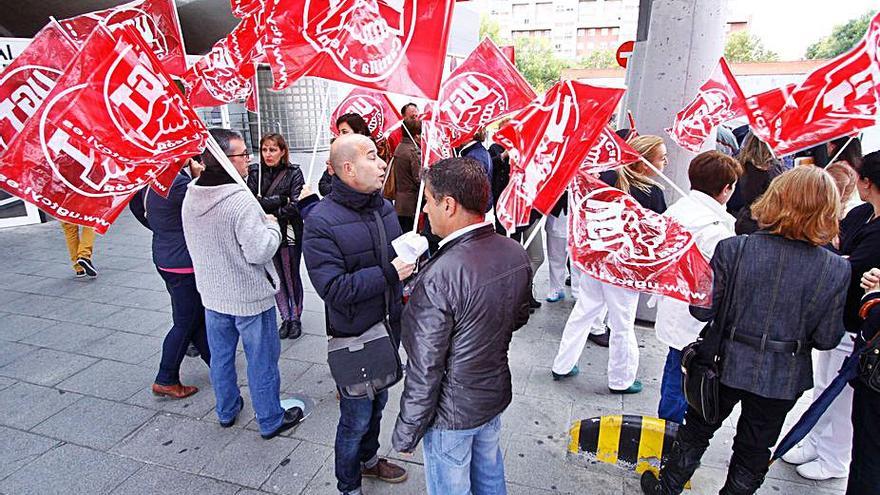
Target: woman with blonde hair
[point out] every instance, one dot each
(778, 312)
(595, 296)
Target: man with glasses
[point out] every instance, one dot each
(231, 243)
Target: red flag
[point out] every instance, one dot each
(28, 79)
(481, 90)
(632, 124)
(225, 73)
(608, 152)
(718, 100)
(374, 106)
(244, 8)
(113, 123)
(547, 142)
(763, 107)
(510, 53)
(436, 143)
(615, 240)
(252, 103)
(837, 99)
(387, 45)
(155, 20)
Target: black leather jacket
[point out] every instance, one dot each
(466, 302)
(282, 202)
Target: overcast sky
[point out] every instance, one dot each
(789, 26)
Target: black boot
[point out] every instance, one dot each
(741, 481)
(295, 329)
(533, 303)
(677, 469)
(284, 329)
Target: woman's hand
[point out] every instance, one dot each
(871, 280)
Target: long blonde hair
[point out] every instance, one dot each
(629, 176)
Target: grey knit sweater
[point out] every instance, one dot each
(231, 244)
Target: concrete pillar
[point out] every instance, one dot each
(683, 42)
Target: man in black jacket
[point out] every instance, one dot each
(464, 306)
(343, 258)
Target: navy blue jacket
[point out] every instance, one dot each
(860, 241)
(340, 248)
(162, 216)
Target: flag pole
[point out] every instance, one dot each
(669, 181)
(538, 227)
(837, 155)
(324, 99)
(256, 91)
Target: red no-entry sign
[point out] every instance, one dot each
(624, 52)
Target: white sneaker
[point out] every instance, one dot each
(802, 453)
(815, 470)
(555, 295)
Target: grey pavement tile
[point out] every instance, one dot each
(56, 287)
(316, 382)
(320, 426)
(15, 327)
(587, 386)
(126, 347)
(12, 351)
(31, 305)
(46, 366)
(95, 290)
(250, 491)
(69, 337)
(195, 406)
(135, 320)
(313, 321)
(324, 482)
(157, 480)
(85, 312)
(20, 448)
(6, 382)
(142, 299)
(17, 280)
(310, 348)
(68, 470)
(541, 463)
(95, 423)
(10, 296)
(249, 460)
(26, 405)
(176, 442)
(133, 280)
(110, 380)
(537, 417)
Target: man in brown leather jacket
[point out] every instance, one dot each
(464, 306)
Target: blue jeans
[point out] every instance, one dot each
(261, 349)
(673, 405)
(460, 462)
(357, 439)
(188, 316)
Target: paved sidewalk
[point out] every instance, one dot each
(76, 415)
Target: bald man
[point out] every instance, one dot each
(344, 261)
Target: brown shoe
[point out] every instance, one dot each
(385, 471)
(174, 391)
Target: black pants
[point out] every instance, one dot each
(759, 426)
(188, 316)
(864, 470)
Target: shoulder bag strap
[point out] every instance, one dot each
(275, 183)
(720, 320)
(383, 256)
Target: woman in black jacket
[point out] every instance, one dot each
(636, 178)
(277, 183)
(778, 313)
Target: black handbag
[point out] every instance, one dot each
(367, 364)
(869, 364)
(701, 360)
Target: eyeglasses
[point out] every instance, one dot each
(246, 153)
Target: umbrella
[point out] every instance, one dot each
(820, 404)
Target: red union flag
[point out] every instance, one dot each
(837, 99)
(226, 73)
(609, 151)
(763, 107)
(484, 88)
(374, 106)
(29, 78)
(113, 123)
(547, 142)
(718, 100)
(436, 143)
(155, 20)
(388, 45)
(615, 240)
(244, 8)
(510, 53)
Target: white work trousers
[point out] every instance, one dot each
(557, 250)
(832, 435)
(623, 349)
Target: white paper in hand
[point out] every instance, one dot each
(410, 246)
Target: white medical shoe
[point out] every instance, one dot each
(816, 470)
(802, 453)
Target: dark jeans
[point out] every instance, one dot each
(759, 426)
(357, 438)
(289, 297)
(673, 404)
(864, 470)
(188, 316)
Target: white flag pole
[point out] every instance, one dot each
(537, 228)
(837, 155)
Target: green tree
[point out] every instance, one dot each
(489, 27)
(842, 38)
(600, 59)
(537, 62)
(745, 47)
